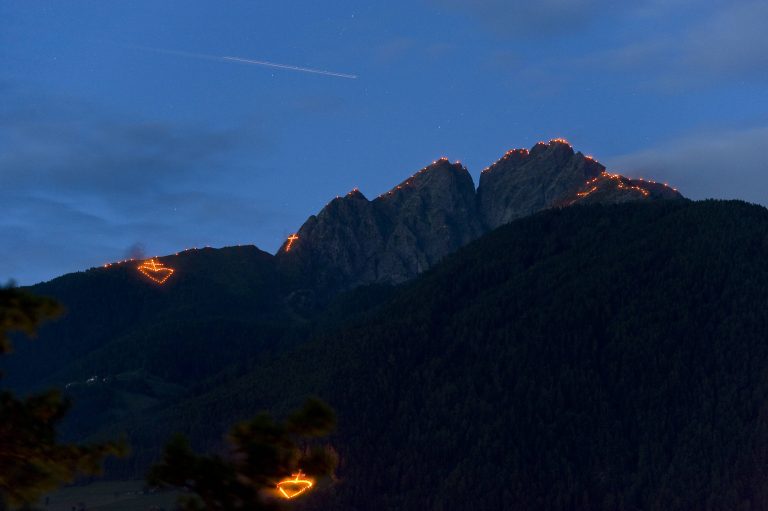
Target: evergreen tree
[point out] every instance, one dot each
(262, 452)
(32, 460)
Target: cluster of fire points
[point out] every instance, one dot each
(155, 271)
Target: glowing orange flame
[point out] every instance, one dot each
(155, 271)
(291, 239)
(294, 486)
(584, 194)
(622, 186)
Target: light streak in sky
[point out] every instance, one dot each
(241, 60)
(290, 67)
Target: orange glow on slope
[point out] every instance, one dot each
(584, 194)
(107, 265)
(507, 155)
(291, 239)
(622, 186)
(155, 271)
(409, 181)
(622, 183)
(294, 486)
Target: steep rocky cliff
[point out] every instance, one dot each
(523, 182)
(437, 210)
(392, 238)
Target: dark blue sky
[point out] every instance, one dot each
(109, 142)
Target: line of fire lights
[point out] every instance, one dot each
(134, 259)
(526, 152)
(409, 181)
(621, 185)
(594, 187)
(152, 265)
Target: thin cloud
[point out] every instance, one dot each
(724, 165)
(727, 45)
(78, 186)
(75, 147)
(105, 157)
(523, 17)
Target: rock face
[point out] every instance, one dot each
(428, 216)
(613, 188)
(437, 210)
(524, 182)
(392, 238)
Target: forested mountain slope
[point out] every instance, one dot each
(129, 344)
(595, 357)
(118, 320)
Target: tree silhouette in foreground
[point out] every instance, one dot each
(31, 460)
(262, 452)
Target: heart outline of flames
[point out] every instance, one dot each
(155, 271)
(294, 486)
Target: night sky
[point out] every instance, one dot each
(123, 132)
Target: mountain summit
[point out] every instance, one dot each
(437, 210)
(393, 237)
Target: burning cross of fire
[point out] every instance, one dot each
(155, 271)
(294, 486)
(291, 239)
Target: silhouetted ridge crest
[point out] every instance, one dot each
(397, 235)
(436, 210)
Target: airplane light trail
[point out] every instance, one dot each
(290, 67)
(241, 60)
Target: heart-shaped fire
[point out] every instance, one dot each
(155, 271)
(296, 485)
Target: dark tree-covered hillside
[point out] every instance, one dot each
(32, 460)
(601, 357)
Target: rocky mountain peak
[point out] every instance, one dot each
(437, 210)
(610, 188)
(394, 237)
(437, 178)
(355, 193)
(524, 181)
(557, 147)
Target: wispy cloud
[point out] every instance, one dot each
(728, 44)
(523, 17)
(726, 164)
(660, 45)
(104, 156)
(78, 186)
